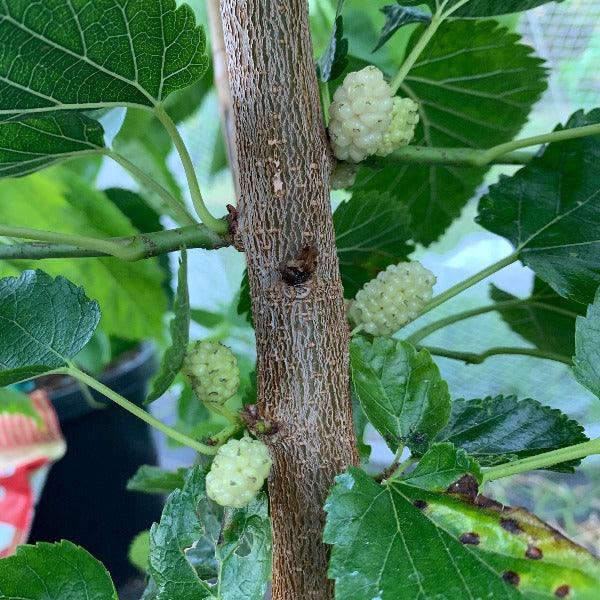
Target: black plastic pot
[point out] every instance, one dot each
(85, 500)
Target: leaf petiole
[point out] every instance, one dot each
(138, 412)
(541, 461)
(217, 225)
(476, 358)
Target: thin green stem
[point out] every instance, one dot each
(467, 283)
(546, 138)
(139, 247)
(217, 225)
(177, 208)
(476, 358)
(541, 461)
(103, 245)
(411, 59)
(464, 157)
(402, 467)
(426, 331)
(139, 412)
(221, 409)
(225, 433)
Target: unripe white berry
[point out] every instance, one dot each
(360, 114)
(343, 176)
(212, 370)
(405, 116)
(238, 472)
(393, 298)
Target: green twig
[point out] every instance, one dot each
(542, 461)
(139, 412)
(178, 210)
(138, 247)
(105, 246)
(426, 331)
(467, 283)
(476, 358)
(217, 225)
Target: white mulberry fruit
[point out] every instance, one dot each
(238, 472)
(360, 115)
(212, 370)
(393, 298)
(343, 176)
(405, 116)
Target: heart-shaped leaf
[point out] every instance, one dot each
(550, 211)
(44, 322)
(180, 336)
(61, 571)
(586, 362)
(476, 85)
(400, 390)
(398, 541)
(372, 231)
(503, 428)
(33, 143)
(78, 55)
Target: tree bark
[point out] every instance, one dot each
(285, 223)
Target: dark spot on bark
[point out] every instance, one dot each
(300, 269)
(534, 553)
(471, 538)
(232, 219)
(420, 504)
(510, 525)
(511, 577)
(485, 502)
(466, 486)
(562, 591)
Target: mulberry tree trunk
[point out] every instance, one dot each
(286, 229)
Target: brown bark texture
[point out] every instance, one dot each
(286, 229)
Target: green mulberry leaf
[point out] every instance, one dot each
(400, 390)
(398, 541)
(397, 17)
(550, 211)
(78, 55)
(335, 57)
(483, 8)
(44, 322)
(33, 143)
(503, 429)
(61, 571)
(154, 480)
(586, 362)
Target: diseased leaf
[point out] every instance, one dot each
(476, 85)
(586, 362)
(154, 480)
(397, 17)
(503, 429)
(244, 553)
(484, 8)
(335, 57)
(550, 211)
(441, 466)
(180, 335)
(131, 294)
(61, 571)
(545, 319)
(398, 541)
(372, 231)
(79, 55)
(400, 390)
(180, 528)
(44, 322)
(33, 143)
(13, 402)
